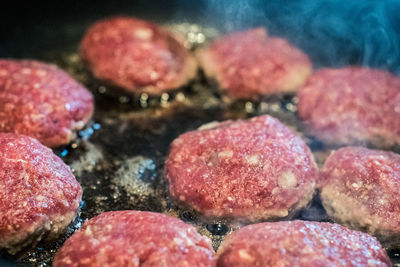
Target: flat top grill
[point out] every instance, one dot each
(118, 158)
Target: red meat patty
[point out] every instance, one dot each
(360, 189)
(39, 195)
(250, 64)
(42, 101)
(300, 243)
(252, 169)
(136, 55)
(136, 238)
(352, 104)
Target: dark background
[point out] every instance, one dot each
(332, 32)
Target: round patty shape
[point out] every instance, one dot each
(252, 169)
(300, 243)
(135, 238)
(250, 64)
(352, 104)
(42, 101)
(360, 188)
(39, 195)
(136, 55)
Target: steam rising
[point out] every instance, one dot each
(333, 33)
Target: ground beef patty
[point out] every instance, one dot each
(352, 104)
(39, 195)
(360, 188)
(42, 101)
(254, 169)
(136, 238)
(300, 243)
(136, 55)
(250, 64)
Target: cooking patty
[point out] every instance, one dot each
(39, 196)
(136, 238)
(253, 169)
(352, 105)
(251, 64)
(42, 101)
(361, 188)
(300, 243)
(136, 55)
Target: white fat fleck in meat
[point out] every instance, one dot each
(26, 71)
(41, 73)
(245, 255)
(382, 201)
(144, 34)
(178, 141)
(154, 75)
(40, 198)
(225, 154)
(276, 190)
(253, 159)
(287, 180)
(179, 241)
(357, 185)
(88, 231)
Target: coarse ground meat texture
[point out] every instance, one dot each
(39, 195)
(300, 243)
(352, 105)
(137, 55)
(249, 169)
(42, 101)
(360, 188)
(251, 64)
(136, 238)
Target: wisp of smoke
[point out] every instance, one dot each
(332, 32)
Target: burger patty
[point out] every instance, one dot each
(360, 188)
(136, 55)
(42, 101)
(39, 195)
(352, 105)
(135, 238)
(252, 169)
(251, 64)
(300, 243)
